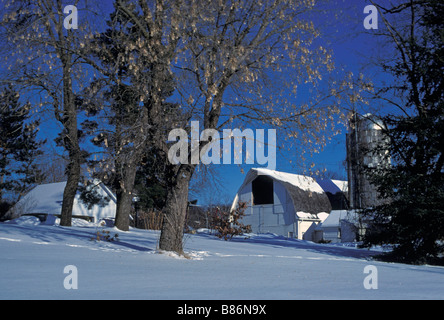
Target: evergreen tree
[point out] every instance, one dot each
(150, 183)
(19, 147)
(412, 219)
(124, 133)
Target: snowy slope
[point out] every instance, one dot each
(33, 258)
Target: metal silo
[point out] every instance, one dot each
(367, 148)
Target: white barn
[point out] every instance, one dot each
(46, 200)
(284, 203)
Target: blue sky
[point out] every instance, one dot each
(343, 32)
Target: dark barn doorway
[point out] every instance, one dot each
(262, 188)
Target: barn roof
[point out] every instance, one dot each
(307, 195)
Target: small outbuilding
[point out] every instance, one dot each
(286, 204)
(340, 226)
(46, 201)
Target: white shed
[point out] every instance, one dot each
(339, 226)
(46, 200)
(282, 203)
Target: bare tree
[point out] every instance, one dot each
(160, 27)
(235, 62)
(44, 56)
(125, 91)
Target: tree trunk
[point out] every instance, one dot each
(124, 195)
(175, 211)
(71, 142)
(70, 192)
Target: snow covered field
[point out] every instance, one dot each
(33, 258)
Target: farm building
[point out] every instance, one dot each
(288, 204)
(46, 200)
(339, 226)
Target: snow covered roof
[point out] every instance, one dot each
(303, 182)
(48, 198)
(342, 185)
(306, 194)
(333, 186)
(334, 218)
(321, 216)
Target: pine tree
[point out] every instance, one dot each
(124, 133)
(150, 183)
(19, 147)
(412, 219)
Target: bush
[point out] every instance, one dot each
(227, 224)
(150, 220)
(105, 235)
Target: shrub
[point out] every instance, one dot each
(227, 224)
(105, 235)
(150, 220)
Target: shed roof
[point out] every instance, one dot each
(336, 216)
